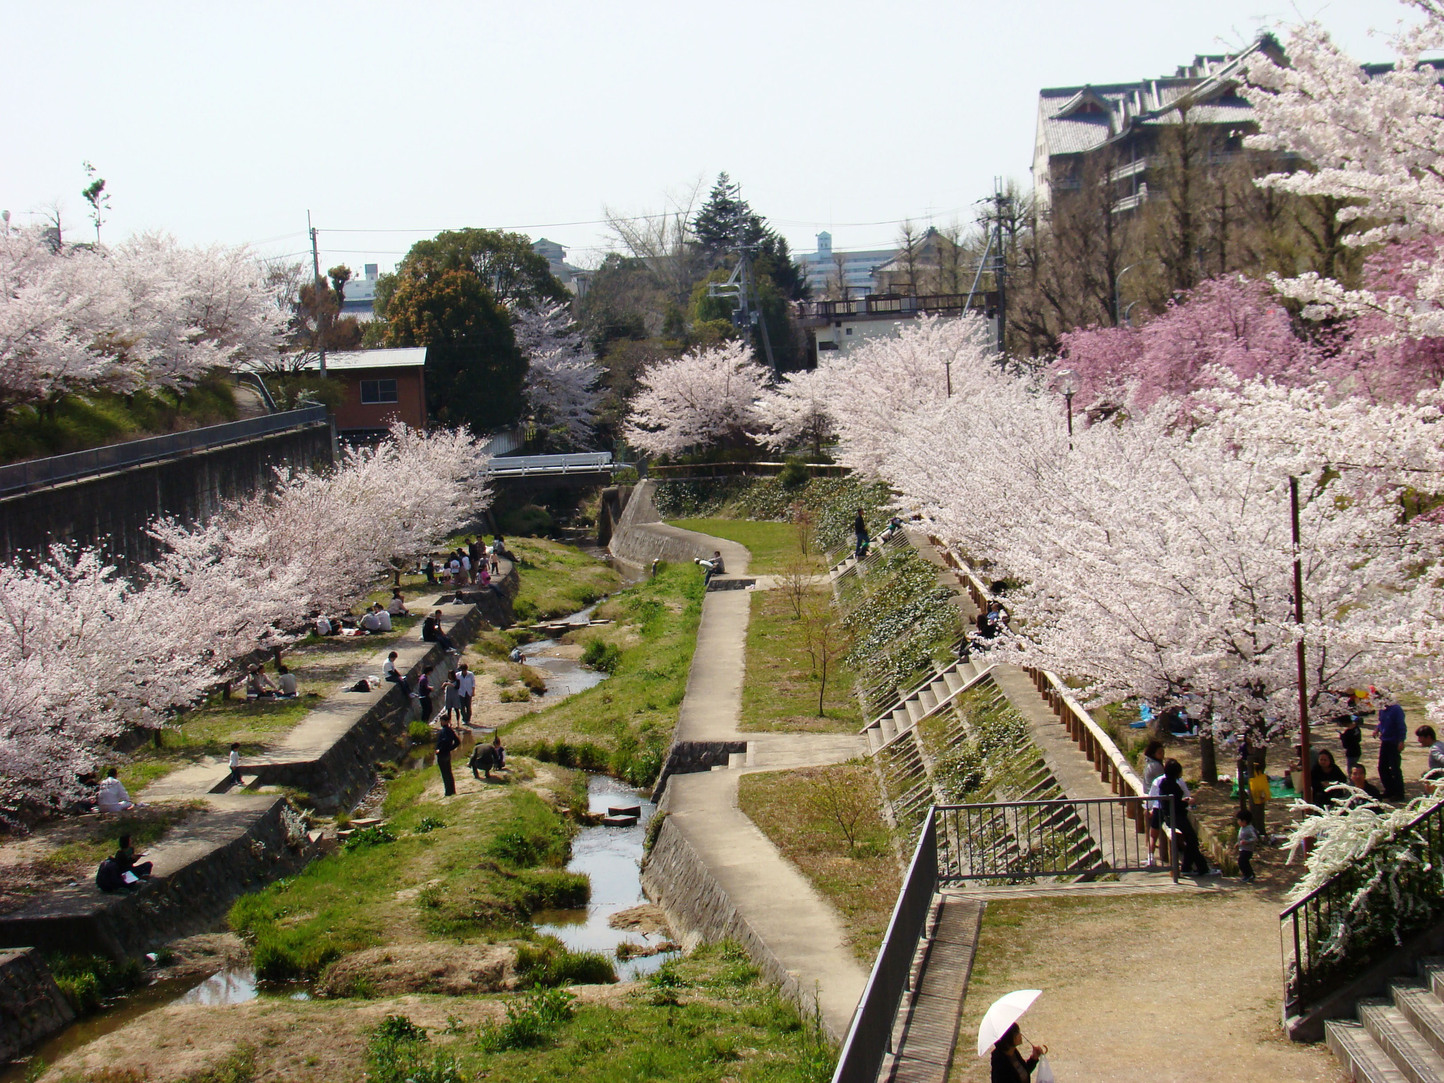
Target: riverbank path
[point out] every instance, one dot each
(776, 900)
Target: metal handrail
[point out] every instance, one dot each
(869, 1038)
(21, 477)
(1023, 840)
(1304, 925)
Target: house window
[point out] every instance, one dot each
(373, 391)
(848, 331)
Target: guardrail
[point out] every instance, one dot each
(689, 471)
(20, 477)
(1023, 840)
(587, 462)
(1315, 961)
(869, 1039)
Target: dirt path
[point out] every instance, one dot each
(1151, 989)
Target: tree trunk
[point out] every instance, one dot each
(1208, 755)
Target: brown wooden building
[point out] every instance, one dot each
(381, 386)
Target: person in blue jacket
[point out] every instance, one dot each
(1392, 732)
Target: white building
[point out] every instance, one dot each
(822, 268)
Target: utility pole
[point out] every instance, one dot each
(320, 318)
(747, 310)
(1001, 204)
(1307, 789)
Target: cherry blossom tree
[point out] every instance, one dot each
(796, 410)
(84, 656)
(562, 383)
(1374, 139)
(875, 390)
(1225, 325)
(703, 399)
(150, 313)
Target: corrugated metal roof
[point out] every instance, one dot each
(409, 357)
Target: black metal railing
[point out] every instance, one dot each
(1324, 943)
(869, 1039)
(1023, 840)
(37, 473)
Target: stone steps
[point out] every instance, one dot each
(1398, 1038)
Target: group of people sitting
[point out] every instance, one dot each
(260, 686)
(474, 563)
(711, 567)
(991, 628)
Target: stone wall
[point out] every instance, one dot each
(112, 510)
(699, 911)
(689, 757)
(235, 853)
(32, 1007)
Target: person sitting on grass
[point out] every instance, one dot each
(397, 606)
(111, 796)
(1359, 779)
(258, 685)
(286, 680)
(125, 857)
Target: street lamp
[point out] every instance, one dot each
(1119, 313)
(1066, 384)
(948, 367)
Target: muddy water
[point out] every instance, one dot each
(611, 857)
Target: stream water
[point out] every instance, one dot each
(610, 856)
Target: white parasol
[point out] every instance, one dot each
(1004, 1012)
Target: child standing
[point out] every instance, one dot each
(234, 762)
(1247, 843)
(1351, 739)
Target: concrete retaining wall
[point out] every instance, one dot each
(113, 510)
(237, 852)
(700, 911)
(641, 537)
(688, 757)
(32, 1007)
(344, 771)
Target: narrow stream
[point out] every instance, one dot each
(610, 856)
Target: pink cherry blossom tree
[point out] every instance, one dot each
(704, 399)
(1228, 324)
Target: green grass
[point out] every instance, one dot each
(780, 689)
(800, 812)
(145, 826)
(496, 861)
(627, 721)
(557, 580)
(706, 1017)
(773, 545)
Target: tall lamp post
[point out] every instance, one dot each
(1307, 788)
(1066, 384)
(948, 367)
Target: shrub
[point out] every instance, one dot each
(550, 964)
(602, 656)
(794, 473)
(376, 835)
(396, 1053)
(530, 1022)
(86, 980)
(419, 731)
(429, 823)
(555, 889)
(528, 521)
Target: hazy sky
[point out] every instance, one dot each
(229, 121)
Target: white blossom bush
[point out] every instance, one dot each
(1385, 874)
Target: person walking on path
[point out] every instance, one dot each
(446, 743)
(859, 530)
(234, 763)
(1247, 843)
(1392, 732)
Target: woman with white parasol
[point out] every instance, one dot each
(999, 1031)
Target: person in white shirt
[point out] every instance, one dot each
(112, 796)
(397, 606)
(323, 625)
(465, 689)
(287, 680)
(389, 671)
(369, 623)
(383, 618)
(234, 763)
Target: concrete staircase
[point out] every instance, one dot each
(934, 693)
(849, 565)
(1398, 1038)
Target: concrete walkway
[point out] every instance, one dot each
(769, 894)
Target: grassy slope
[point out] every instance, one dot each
(629, 718)
(772, 545)
(862, 885)
(556, 579)
(779, 691)
(454, 883)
